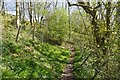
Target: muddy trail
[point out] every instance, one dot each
(68, 71)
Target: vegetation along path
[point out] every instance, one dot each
(67, 72)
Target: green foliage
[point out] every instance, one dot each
(32, 59)
(58, 24)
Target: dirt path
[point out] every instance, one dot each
(67, 72)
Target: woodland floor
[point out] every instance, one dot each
(68, 71)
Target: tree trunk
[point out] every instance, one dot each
(17, 19)
(69, 22)
(23, 10)
(108, 12)
(30, 17)
(17, 14)
(3, 8)
(118, 13)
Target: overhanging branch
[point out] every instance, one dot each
(88, 9)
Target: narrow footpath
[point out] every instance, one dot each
(68, 71)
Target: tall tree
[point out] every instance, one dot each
(23, 9)
(69, 22)
(118, 12)
(118, 21)
(30, 11)
(101, 40)
(3, 8)
(17, 19)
